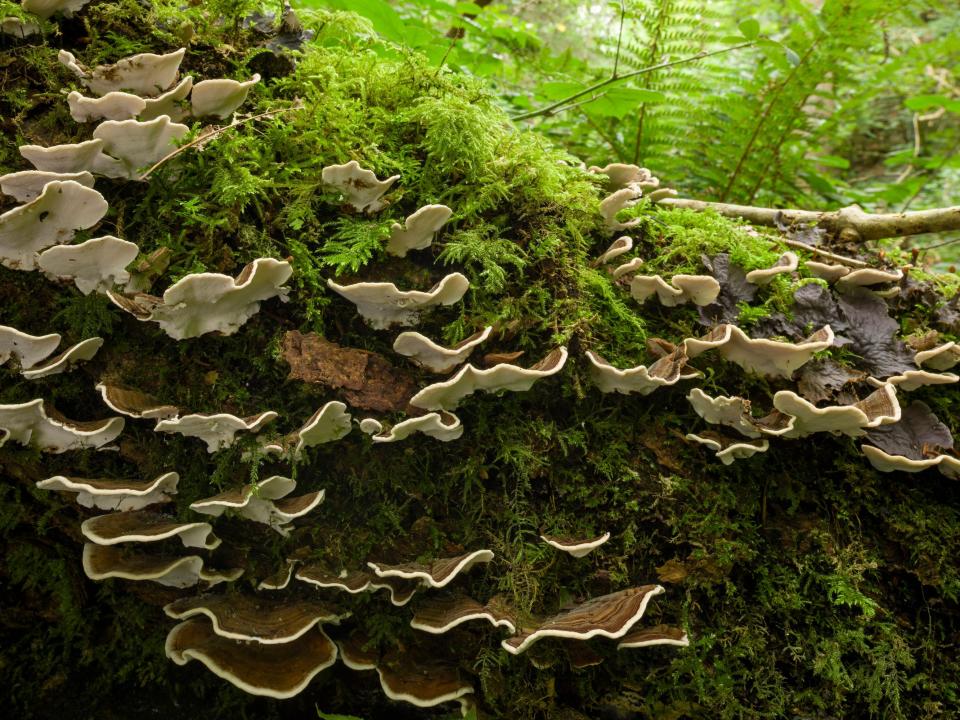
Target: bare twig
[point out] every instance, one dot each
(616, 59)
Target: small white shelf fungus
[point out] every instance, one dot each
(761, 356)
(357, 581)
(81, 352)
(627, 268)
(118, 495)
(448, 394)
(656, 635)
(265, 502)
(727, 451)
(137, 145)
(910, 380)
(359, 186)
(438, 615)
(277, 671)
(613, 204)
(210, 302)
(221, 97)
(142, 526)
(218, 430)
(26, 349)
(942, 357)
(97, 264)
(826, 271)
(424, 684)
(383, 304)
(328, 424)
(881, 407)
(33, 424)
(435, 573)
(575, 547)
(52, 219)
(786, 263)
(610, 616)
(102, 562)
(443, 426)
(146, 74)
(27, 185)
(641, 379)
(865, 277)
(17, 27)
(622, 175)
(135, 404)
(370, 426)
(418, 230)
(112, 106)
(436, 358)
(698, 289)
(266, 621)
(618, 247)
(948, 465)
(86, 156)
(47, 8)
(735, 412)
(172, 103)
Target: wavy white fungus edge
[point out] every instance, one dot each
(536, 635)
(195, 534)
(217, 430)
(948, 465)
(383, 304)
(220, 97)
(762, 356)
(97, 264)
(640, 379)
(27, 185)
(786, 263)
(442, 426)
(51, 219)
(328, 424)
(727, 454)
(359, 186)
(436, 358)
(483, 614)
(577, 549)
(137, 145)
(145, 74)
(618, 247)
(418, 230)
(112, 106)
(852, 420)
(86, 156)
(698, 289)
(910, 380)
(942, 357)
(461, 694)
(170, 103)
(615, 202)
(179, 572)
(26, 349)
(118, 499)
(82, 351)
(447, 395)
(733, 412)
(257, 504)
(466, 562)
(154, 412)
(682, 641)
(28, 424)
(210, 302)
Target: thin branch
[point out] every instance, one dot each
(616, 59)
(617, 151)
(552, 108)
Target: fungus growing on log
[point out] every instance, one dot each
(435, 573)
(657, 635)
(761, 356)
(418, 230)
(621, 175)
(26, 349)
(909, 380)
(82, 351)
(617, 248)
(627, 268)
(575, 547)
(146, 74)
(171, 103)
(119, 495)
(86, 156)
(436, 358)
(448, 394)
(328, 424)
(438, 615)
(264, 502)
(143, 526)
(442, 425)
(277, 671)
(614, 203)
(668, 370)
(383, 304)
(96, 264)
(358, 581)
(917, 442)
(220, 97)
(210, 302)
(868, 276)
(27, 185)
(941, 357)
(786, 263)
(358, 652)
(698, 289)
(218, 430)
(879, 408)
(51, 219)
(726, 449)
(102, 562)
(135, 404)
(137, 145)
(280, 579)
(360, 187)
(32, 423)
(735, 412)
(112, 106)
(609, 616)
(423, 682)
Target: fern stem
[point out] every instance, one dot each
(654, 51)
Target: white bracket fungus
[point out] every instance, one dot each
(328, 424)
(726, 450)
(575, 547)
(443, 426)
(668, 370)
(137, 145)
(436, 358)
(627, 268)
(32, 424)
(948, 465)
(436, 573)
(27, 185)
(762, 356)
(360, 187)
(786, 263)
(618, 247)
(135, 404)
(611, 205)
(52, 219)
(848, 277)
(217, 430)
(120, 495)
(418, 230)
(172, 103)
(447, 395)
(146, 74)
(96, 264)
(112, 106)
(942, 357)
(370, 426)
(86, 156)
(879, 408)
(622, 175)
(210, 302)
(735, 412)
(143, 526)
(698, 289)
(383, 304)
(219, 97)
(82, 351)
(47, 8)
(264, 502)
(26, 349)
(910, 380)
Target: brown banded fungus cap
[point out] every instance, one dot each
(122, 495)
(358, 652)
(146, 74)
(261, 502)
(438, 615)
(698, 289)
(786, 263)
(27, 350)
(668, 370)
(219, 430)
(280, 579)
(442, 426)
(51, 219)
(221, 97)
(81, 352)
(575, 547)
(34, 424)
(436, 358)
(422, 681)
(657, 635)
(277, 671)
(881, 407)
(210, 302)
(761, 356)
(358, 581)
(102, 562)
(448, 394)
(383, 304)
(434, 573)
(143, 526)
(360, 187)
(112, 106)
(609, 616)
(27, 185)
(97, 264)
(735, 412)
(418, 230)
(255, 619)
(134, 403)
(727, 449)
